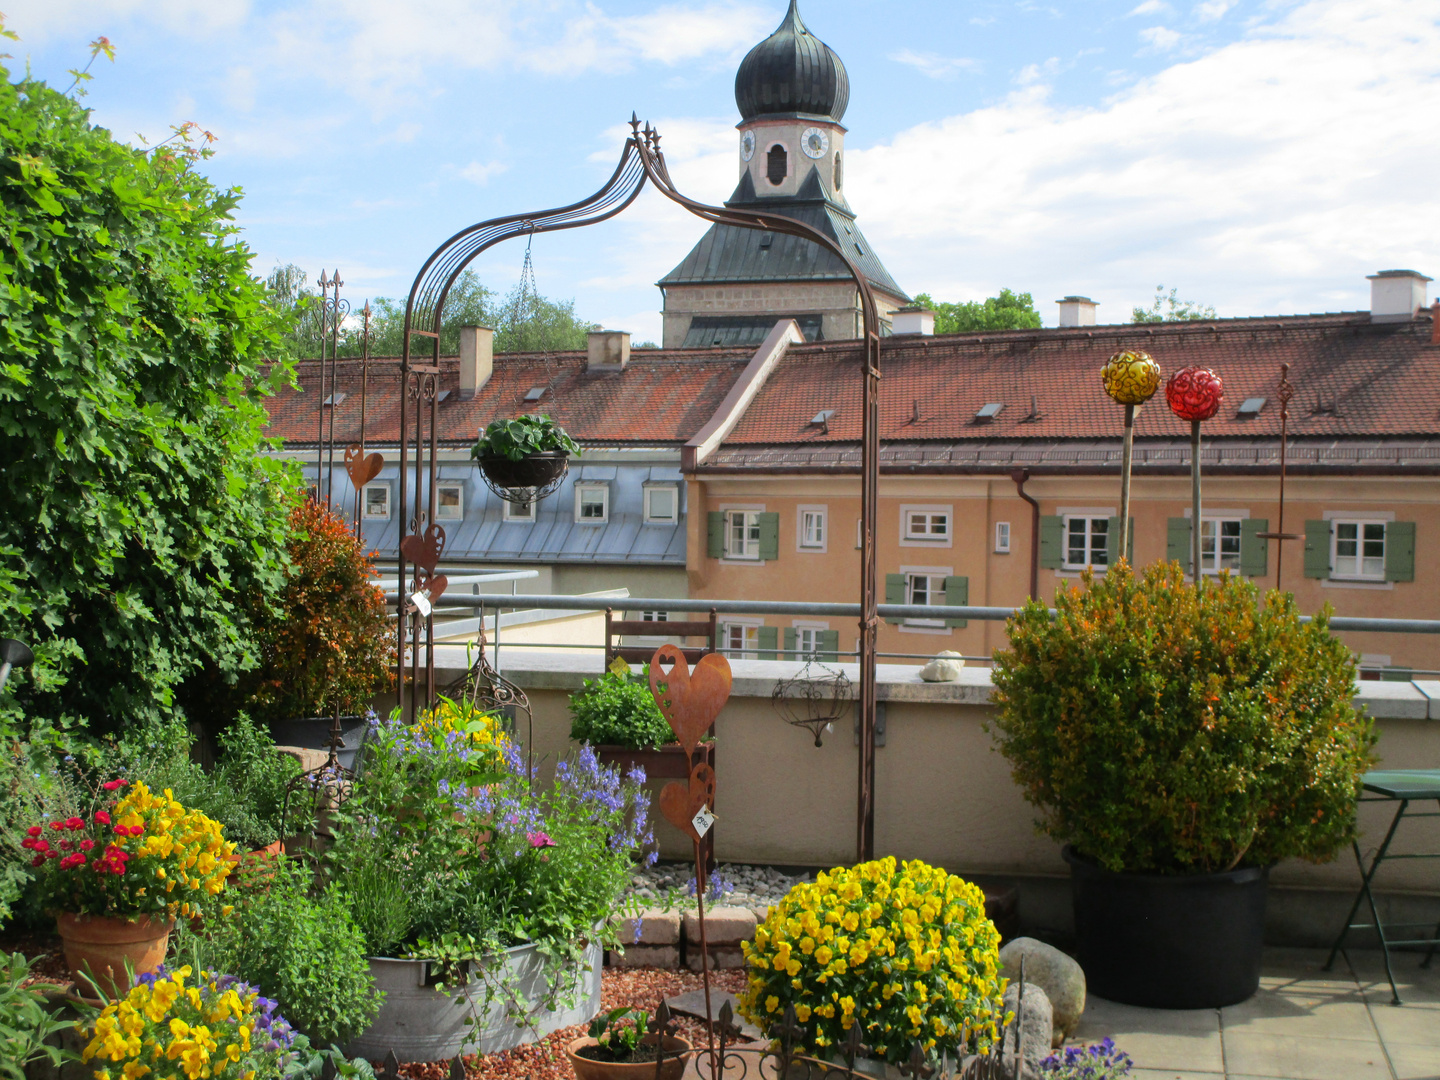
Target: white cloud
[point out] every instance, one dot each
(1149, 7)
(1031, 74)
(1266, 174)
(1160, 38)
(480, 172)
(933, 65)
(1211, 10)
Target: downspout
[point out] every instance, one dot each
(1020, 476)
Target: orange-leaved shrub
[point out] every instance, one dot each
(1161, 729)
(326, 641)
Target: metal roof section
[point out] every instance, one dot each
(743, 331)
(792, 71)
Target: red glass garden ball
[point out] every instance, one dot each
(1194, 393)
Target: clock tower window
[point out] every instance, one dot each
(839, 165)
(776, 165)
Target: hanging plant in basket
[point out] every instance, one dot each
(524, 459)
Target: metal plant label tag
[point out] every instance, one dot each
(703, 820)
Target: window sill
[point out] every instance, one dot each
(1356, 583)
(935, 542)
(913, 628)
(733, 560)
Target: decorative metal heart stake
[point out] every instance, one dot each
(681, 802)
(689, 700)
(362, 469)
(433, 585)
(423, 549)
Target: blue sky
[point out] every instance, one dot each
(1261, 157)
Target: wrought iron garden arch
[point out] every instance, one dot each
(422, 538)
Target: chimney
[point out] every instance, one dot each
(912, 319)
(1077, 311)
(1395, 295)
(607, 350)
(477, 359)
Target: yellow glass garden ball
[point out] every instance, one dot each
(1131, 377)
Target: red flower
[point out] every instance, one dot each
(113, 785)
(41, 845)
(86, 845)
(58, 826)
(74, 823)
(34, 830)
(66, 845)
(102, 818)
(38, 860)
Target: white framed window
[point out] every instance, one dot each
(1219, 545)
(377, 502)
(1086, 542)
(654, 616)
(925, 525)
(925, 587)
(523, 512)
(742, 534)
(807, 640)
(811, 530)
(449, 502)
(592, 504)
(741, 639)
(1357, 550)
(662, 504)
(1002, 538)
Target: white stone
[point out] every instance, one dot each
(1056, 973)
(944, 668)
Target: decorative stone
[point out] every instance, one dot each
(944, 668)
(661, 956)
(1035, 1020)
(657, 927)
(309, 759)
(1056, 973)
(723, 926)
(722, 958)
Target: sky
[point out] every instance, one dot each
(1262, 158)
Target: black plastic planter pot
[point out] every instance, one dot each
(1169, 942)
(313, 733)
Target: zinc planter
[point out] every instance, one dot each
(98, 948)
(420, 1023)
(1185, 941)
(590, 1069)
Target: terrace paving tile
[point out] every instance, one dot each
(1415, 1062)
(1184, 1040)
(1307, 1057)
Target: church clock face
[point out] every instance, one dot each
(814, 142)
(747, 145)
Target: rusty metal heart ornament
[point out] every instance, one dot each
(681, 802)
(433, 583)
(423, 549)
(362, 469)
(689, 700)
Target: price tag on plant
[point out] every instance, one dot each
(702, 820)
(421, 600)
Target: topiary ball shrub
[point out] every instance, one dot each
(905, 951)
(1165, 729)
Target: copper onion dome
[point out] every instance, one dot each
(792, 71)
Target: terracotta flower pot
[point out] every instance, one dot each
(97, 948)
(590, 1069)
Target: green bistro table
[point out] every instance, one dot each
(1403, 786)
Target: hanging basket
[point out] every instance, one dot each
(528, 480)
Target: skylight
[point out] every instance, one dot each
(334, 399)
(535, 393)
(1251, 406)
(824, 416)
(988, 412)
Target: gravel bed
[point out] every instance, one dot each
(737, 885)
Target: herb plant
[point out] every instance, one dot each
(524, 435)
(1165, 729)
(618, 1034)
(618, 709)
(25, 1023)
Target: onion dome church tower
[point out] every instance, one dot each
(735, 284)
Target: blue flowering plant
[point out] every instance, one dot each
(1099, 1061)
(451, 856)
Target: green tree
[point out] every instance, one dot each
(139, 504)
(1171, 309)
(1008, 311)
(292, 296)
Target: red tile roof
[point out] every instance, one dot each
(662, 397)
(1352, 378)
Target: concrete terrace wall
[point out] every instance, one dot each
(944, 794)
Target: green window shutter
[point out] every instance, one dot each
(715, 523)
(1317, 549)
(1400, 551)
(957, 594)
(1112, 542)
(767, 636)
(769, 536)
(1396, 674)
(790, 635)
(1052, 542)
(894, 593)
(1177, 541)
(830, 646)
(1254, 548)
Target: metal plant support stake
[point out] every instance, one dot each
(362, 469)
(640, 160)
(1284, 393)
(332, 312)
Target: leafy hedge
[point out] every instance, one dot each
(1160, 729)
(139, 507)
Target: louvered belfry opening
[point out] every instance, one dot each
(776, 165)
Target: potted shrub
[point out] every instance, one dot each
(484, 896)
(1179, 742)
(118, 877)
(617, 715)
(619, 1047)
(326, 647)
(526, 452)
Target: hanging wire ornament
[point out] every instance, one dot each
(813, 698)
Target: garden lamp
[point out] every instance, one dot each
(13, 652)
(1131, 377)
(1194, 394)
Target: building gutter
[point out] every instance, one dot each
(1020, 476)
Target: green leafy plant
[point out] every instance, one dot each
(25, 1022)
(1164, 729)
(525, 435)
(618, 709)
(618, 1036)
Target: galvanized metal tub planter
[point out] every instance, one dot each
(420, 1023)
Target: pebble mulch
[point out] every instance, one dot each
(732, 884)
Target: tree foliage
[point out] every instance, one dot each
(139, 507)
(1008, 311)
(1169, 308)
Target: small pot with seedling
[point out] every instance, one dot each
(620, 1046)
